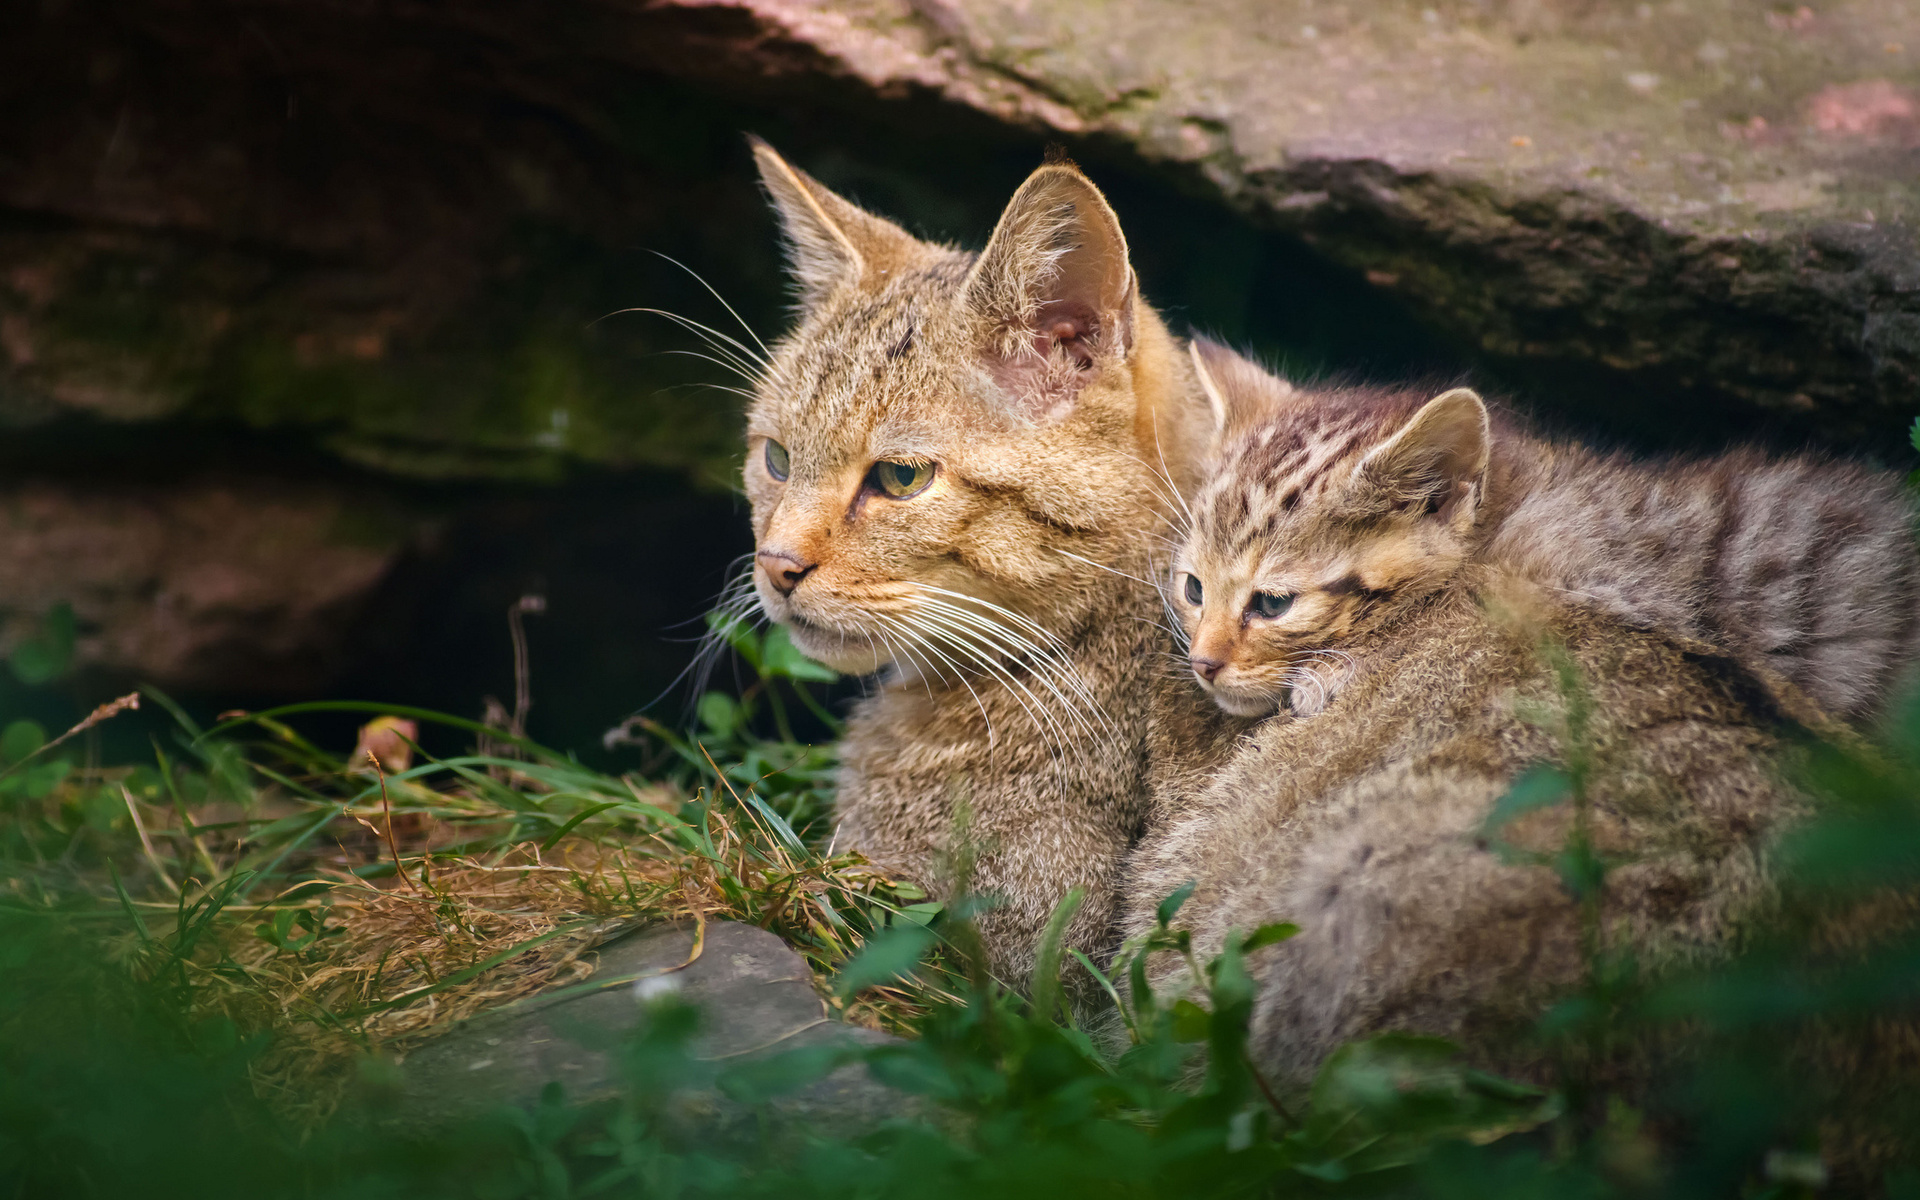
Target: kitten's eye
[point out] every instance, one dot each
(1269, 604)
(1193, 589)
(778, 464)
(901, 479)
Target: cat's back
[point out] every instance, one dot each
(1804, 566)
(1368, 825)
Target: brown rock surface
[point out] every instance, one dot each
(239, 584)
(1717, 192)
(384, 236)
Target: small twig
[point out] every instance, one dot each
(104, 712)
(1266, 1090)
(146, 843)
(522, 668)
(386, 807)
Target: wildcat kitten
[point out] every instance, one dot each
(1804, 569)
(1334, 561)
(956, 463)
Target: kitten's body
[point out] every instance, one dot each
(1803, 568)
(1343, 570)
(1365, 826)
(956, 463)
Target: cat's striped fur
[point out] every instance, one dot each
(1041, 416)
(1433, 668)
(1804, 568)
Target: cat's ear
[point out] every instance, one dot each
(830, 241)
(1240, 391)
(1438, 461)
(1054, 289)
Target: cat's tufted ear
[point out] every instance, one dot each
(1054, 290)
(830, 241)
(1438, 461)
(1240, 391)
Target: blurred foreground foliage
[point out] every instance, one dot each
(203, 959)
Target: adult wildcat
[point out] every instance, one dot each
(956, 464)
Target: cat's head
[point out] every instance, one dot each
(947, 447)
(1329, 512)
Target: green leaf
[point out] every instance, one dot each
(47, 654)
(1190, 1022)
(888, 955)
(1539, 786)
(739, 633)
(760, 1081)
(43, 778)
(19, 740)
(1046, 971)
(781, 658)
(720, 713)
(1268, 935)
(920, 914)
(1171, 905)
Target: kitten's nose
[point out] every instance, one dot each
(1207, 668)
(784, 569)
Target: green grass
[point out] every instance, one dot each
(205, 957)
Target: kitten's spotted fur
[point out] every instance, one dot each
(1419, 655)
(956, 464)
(1803, 568)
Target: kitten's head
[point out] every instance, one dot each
(1329, 512)
(945, 439)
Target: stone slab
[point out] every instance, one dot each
(756, 998)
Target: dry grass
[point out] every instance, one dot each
(393, 964)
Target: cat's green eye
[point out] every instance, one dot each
(778, 464)
(1269, 604)
(901, 479)
(1193, 589)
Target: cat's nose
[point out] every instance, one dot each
(784, 569)
(1207, 668)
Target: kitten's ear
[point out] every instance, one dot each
(1054, 288)
(1439, 459)
(830, 241)
(1239, 391)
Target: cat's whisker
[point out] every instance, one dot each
(899, 652)
(748, 365)
(715, 293)
(978, 641)
(931, 646)
(721, 343)
(1102, 566)
(964, 640)
(1020, 620)
(1165, 475)
(1050, 734)
(1047, 667)
(736, 368)
(915, 638)
(718, 387)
